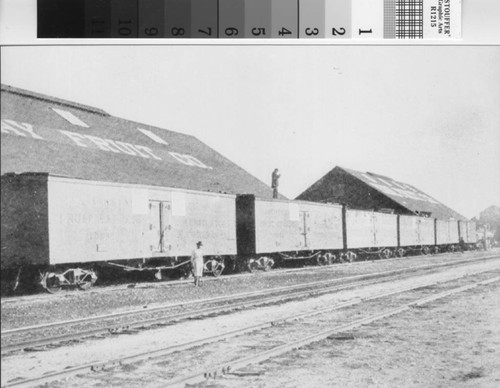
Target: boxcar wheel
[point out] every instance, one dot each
(400, 252)
(87, 280)
(217, 268)
(51, 283)
(320, 260)
(252, 266)
(350, 256)
(330, 258)
(385, 254)
(85, 283)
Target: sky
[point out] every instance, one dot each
(424, 115)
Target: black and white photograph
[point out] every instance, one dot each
(242, 205)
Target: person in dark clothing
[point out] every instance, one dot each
(275, 182)
(461, 244)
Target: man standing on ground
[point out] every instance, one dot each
(197, 262)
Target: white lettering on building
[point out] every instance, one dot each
(111, 146)
(12, 127)
(148, 151)
(102, 143)
(76, 137)
(188, 160)
(9, 126)
(123, 147)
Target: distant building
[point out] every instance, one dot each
(489, 218)
(369, 191)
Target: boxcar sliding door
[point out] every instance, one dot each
(158, 238)
(304, 228)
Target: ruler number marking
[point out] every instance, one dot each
(124, 30)
(340, 31)
(151, 31)
(231, 31)
(178, 31)
(365, 31)
(258, 31)
(311, 31)
(208, 31)
(284, 31)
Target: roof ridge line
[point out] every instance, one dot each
(55, 100)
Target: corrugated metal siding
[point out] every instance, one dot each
(37, 139)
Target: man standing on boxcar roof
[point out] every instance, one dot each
(197, 262)
(275, 182)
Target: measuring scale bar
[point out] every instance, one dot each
(250, 19)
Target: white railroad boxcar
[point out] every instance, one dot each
(446, 232)
(269, 226)
(471, 233)
(416, 231)
(368, 229)
(49, 220)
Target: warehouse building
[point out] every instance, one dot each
(63, 138)
(80, 185)
(369, 191)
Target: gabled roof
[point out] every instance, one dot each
(49, 135)
(369, 190)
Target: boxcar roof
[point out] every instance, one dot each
(50, 135)
(367, 190)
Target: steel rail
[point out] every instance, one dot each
(30, 329)
(150, 323)
(275, 272)
(278, 350)
(145, 324)
(233, 365)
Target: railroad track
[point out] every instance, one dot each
(35, 337)
(275, 272)
(60, 333)
(226, 367)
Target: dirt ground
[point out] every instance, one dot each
(449, 343)
(454, 342)
(74, 304)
